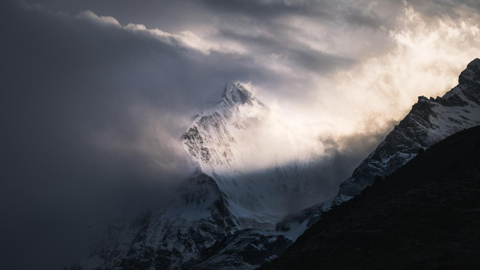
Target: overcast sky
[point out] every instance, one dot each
(94, 95)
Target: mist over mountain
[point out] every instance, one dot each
(410, 217)
(96, 97)
(429, 121)
(423, 216)
(230, 213)
(227, 212)
(241, 143)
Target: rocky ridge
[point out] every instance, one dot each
(430, 121)
(229, 218)
(423, 216)
(167, 238)
(226, 142)
(224, 218)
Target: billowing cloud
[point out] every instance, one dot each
(92, 113)
(96, 94)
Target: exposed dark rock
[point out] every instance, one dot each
(199, 231)
(423, 216)
(429, 121)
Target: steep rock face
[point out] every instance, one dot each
(225, 141)
(226, 215)
(171, 237)
(429, 121)
(423, 216)
(231, 212)
(246, 249)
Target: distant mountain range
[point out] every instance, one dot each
(230, 218)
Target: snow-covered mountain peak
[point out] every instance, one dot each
(232, 212)
(235, 93)
(250, 153)
(211, 138)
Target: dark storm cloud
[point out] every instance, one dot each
(356, 13)
(361, 18)
(92, 111)
(268, 9)
(180, 15)
(77, 94)
(453, 8)
(318, 61)
(237, 21)
(156, 13)
(353, 13)
(293, 52)
(72, 156)
(75, 97)
(232, 17)
(344, 154)
(341, 156)
(266, 29)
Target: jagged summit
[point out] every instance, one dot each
(471, 75)
(222, 140)
(234, 95)
(235, 92)
(430, 121)
(209, 140)
(423, 216)
(231, 213)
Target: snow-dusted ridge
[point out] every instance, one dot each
(167, 238)
(230, 213)
(223, 141)
(430, 121)
(226, 215)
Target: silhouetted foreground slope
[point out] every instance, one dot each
(424, 216)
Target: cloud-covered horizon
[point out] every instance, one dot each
(95, 95)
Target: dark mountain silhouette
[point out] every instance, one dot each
(423, 216)
(228, 218)
(428, 122)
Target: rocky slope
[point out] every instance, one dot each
(227, 215)
(229, 142)
(168, 238)
(423, 216)
(429, 121)
(232, 212)
(197, 231)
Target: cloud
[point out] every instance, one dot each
(92, 112)
(270, 9)
(455, 9)
(93, 103)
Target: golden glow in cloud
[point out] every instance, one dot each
(421, 56)
(426, 60)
